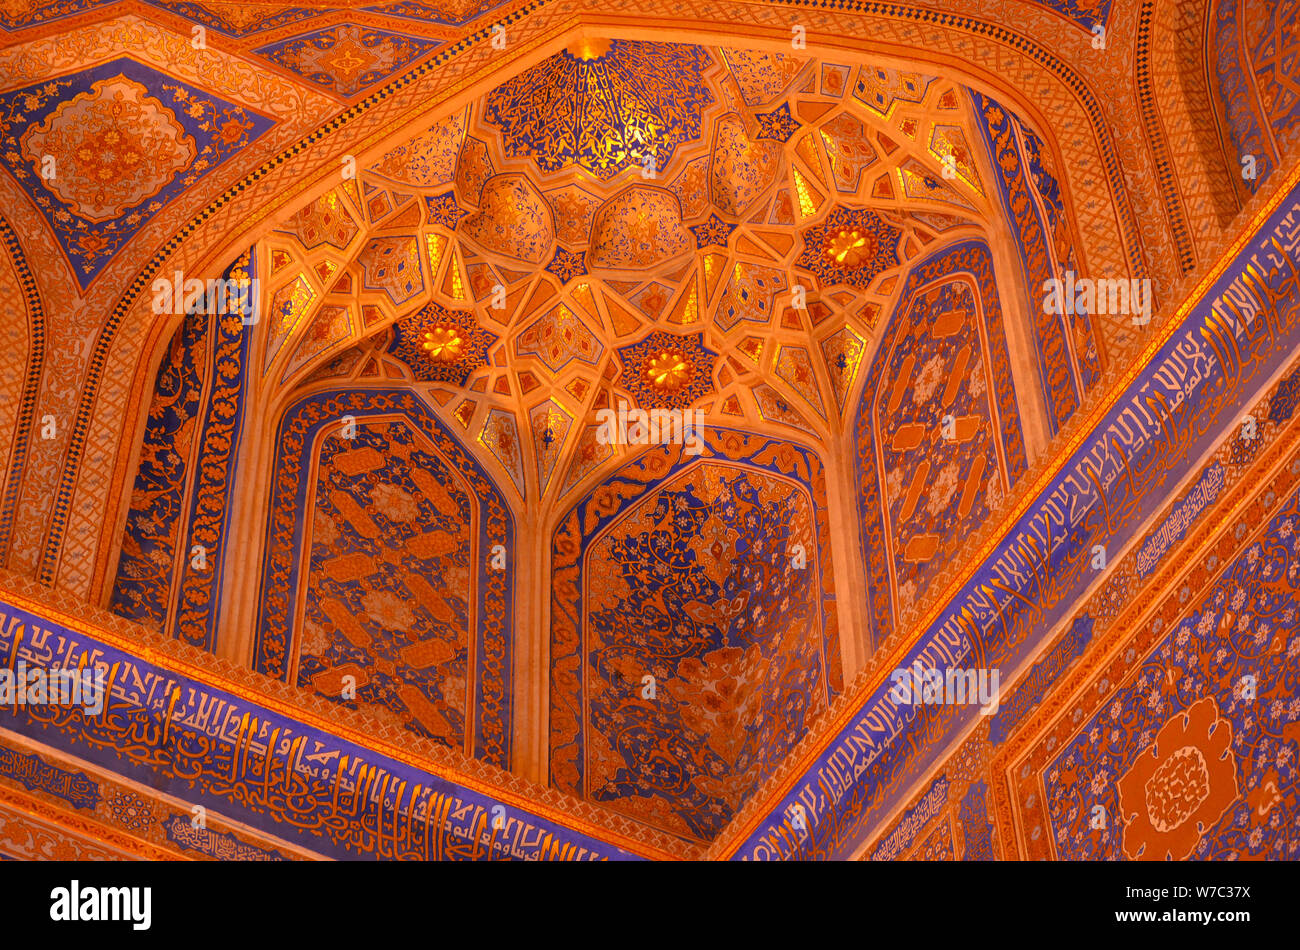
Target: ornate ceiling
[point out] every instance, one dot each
(378, 500)
(763, 181)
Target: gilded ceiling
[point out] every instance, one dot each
(497, 263)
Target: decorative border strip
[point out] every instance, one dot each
(197, 594)
(1264, 488)
(1171, 531)
(36, 366)
(1155, 134)
(80, 827)
(34, 773)
(1117, 603)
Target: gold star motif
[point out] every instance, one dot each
(443, 344)
(850, 247)
(667, 370)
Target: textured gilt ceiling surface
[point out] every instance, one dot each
(565, 256)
